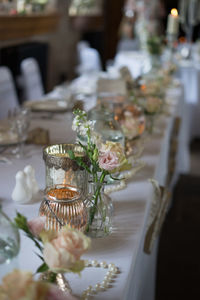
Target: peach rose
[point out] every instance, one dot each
(28, 289)
(64, 250)
(36, 225)
(12, 291)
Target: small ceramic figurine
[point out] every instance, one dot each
(31, 180)
(21, 193)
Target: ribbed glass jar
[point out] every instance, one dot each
(63, 205)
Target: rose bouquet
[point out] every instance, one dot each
(60, 252)
(104, 159)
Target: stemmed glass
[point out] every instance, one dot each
(20, 121)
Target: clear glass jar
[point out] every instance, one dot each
(105, 124)
(100, 211)
(9, 239)
(63, 205)
(61, 169)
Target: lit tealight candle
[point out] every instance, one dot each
(173, 22)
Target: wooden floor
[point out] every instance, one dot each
(178, 266)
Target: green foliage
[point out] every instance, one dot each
(20, 222)
(42, 268)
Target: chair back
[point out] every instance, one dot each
(89, 60)
(8, 95)
(31, 79)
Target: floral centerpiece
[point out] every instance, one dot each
(152, 106)
(154, 44)
(105, 159)
(60, 252)
(132, 120)
(154, 47)
(152, 86)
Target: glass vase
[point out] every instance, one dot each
(104, 124)
(150, 122)
(59, 279)
(100, 211)
(9, 239)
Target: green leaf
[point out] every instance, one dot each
(42, 268)
(21, 222)
(39, 256)
(83, 146)
(114, 178)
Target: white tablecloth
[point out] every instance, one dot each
(124, 246)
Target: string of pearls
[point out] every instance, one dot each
(115, 187)
(126, 174)
(105, 284)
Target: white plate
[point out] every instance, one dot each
(49, 105)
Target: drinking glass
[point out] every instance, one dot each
(9, 239)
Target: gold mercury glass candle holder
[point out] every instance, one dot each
(66, 188)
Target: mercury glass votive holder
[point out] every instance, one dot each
(61, 169)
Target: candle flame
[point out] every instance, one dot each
(174, 12)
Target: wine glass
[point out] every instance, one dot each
(21, 123)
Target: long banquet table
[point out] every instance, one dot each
(132, 208)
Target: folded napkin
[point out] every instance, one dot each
(38, 136)
(111, 86)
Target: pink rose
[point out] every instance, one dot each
(108, 160)
(36, 225)
(65, 249)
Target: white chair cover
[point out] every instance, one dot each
(190, 76)
(89, 60)
(8, 96)
(31, 79)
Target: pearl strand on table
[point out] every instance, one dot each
(108, 278)
(115, 187)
